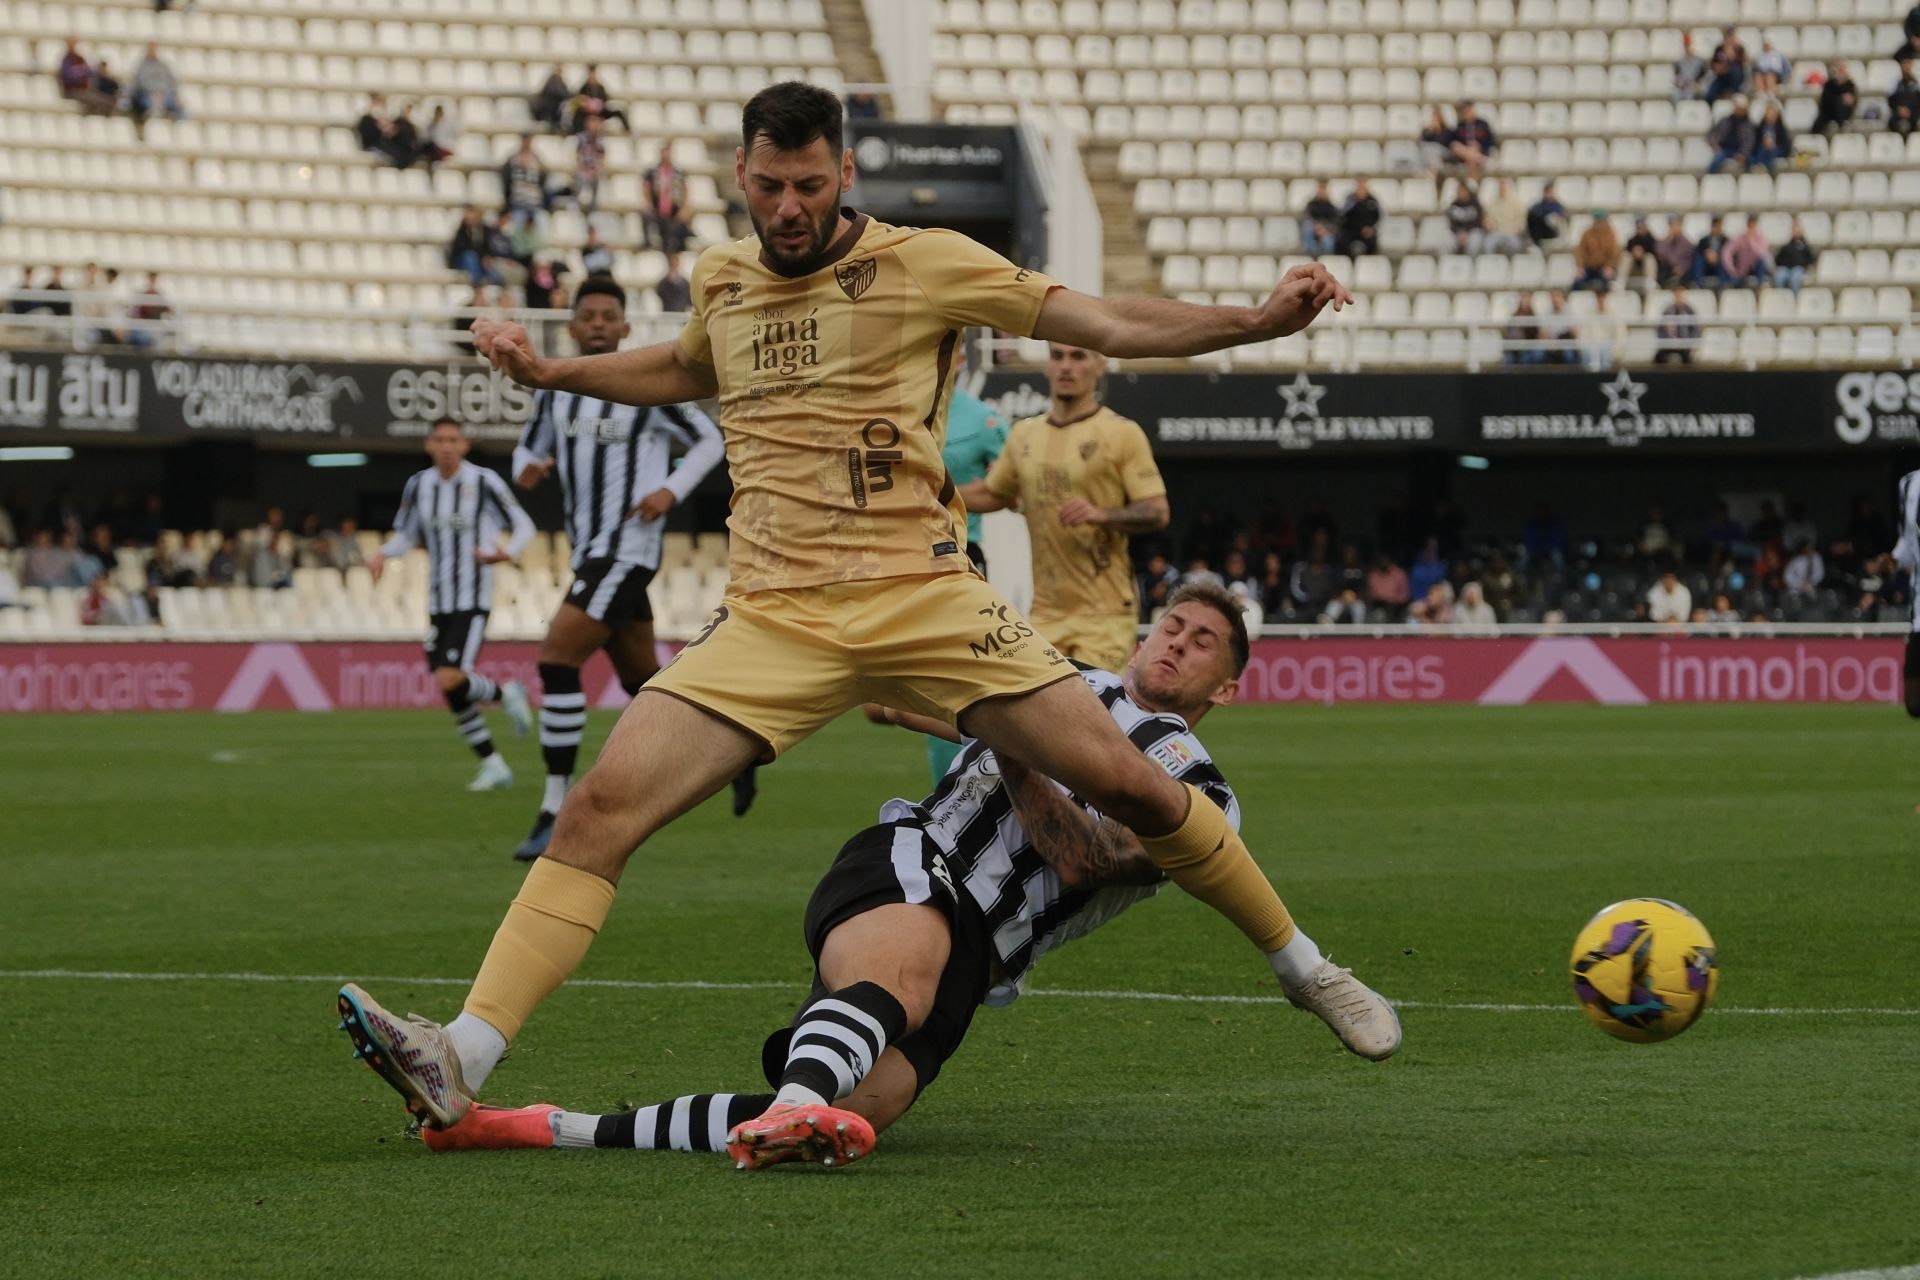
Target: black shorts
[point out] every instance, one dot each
(454, 639)
(896, 862)
(978, 556)
(612, 592)
(1911, 669)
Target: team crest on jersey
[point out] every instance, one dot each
(1088, 448)
(856, 278)
(1172, 754)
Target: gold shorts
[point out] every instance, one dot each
(779, 664)
(1103, 642)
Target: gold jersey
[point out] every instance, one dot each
(1080, 570)
(833, 397)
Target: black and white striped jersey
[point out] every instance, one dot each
(609, 457)
(1028, 911)
(1907, 550)
(452, 518)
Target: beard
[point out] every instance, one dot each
(806, 259)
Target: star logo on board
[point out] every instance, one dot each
(1302, 397)
(1623, 395)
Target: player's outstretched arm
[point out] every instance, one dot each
(1146, 327)
(980, 498)
(660, 374)
(1085, 850)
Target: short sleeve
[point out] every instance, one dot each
(693, 335)
(1138, 471)
(1003, 476)
(969, 284)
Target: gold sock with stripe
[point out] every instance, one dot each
(546, 934)
(1207, 858)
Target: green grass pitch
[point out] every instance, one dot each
(211, 1126)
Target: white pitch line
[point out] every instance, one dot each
(1911, 1272)
(1165, 997)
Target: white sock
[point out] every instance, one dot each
(572, 1129)
(556, 792)
(1295, 962)
(797, 1095)
(480, 1047)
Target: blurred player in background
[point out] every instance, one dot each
(828, 338)
(615, 482)
(457, 511)
(1087, 481)
(1907, 552)
(947, 905)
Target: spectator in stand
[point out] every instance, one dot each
(674, 291)
(1350, 574)
(1558, 329)
(1239, 578)
(1668, 600)
(1838, 97)
(1543, 539)
(1689, 71)
(1472, 142)
(1770, 70)
(1724, 534)
(549, 105)
(1731, 137)
(1673, 254)
(1547, 219)
(1679, 330)
(1311, 584)
(1473, 612)
(1748, 257)
(663, 218)
(1804, 573)
(1506, 221)
(523, 184)
(1596, 255)
(151, 313)
(271, 566)
(403, 138)
(1910, 27)
(1319, 223)
(592, 100)
(1656, 537)
(75, 73)
(596, 257)
(93, 89)
(102, 606)
(1504, 588)
(1466, 220)
(442, 132)
(1201, 571)
(512, 243)
(105, 99)
(49, 563)
(1722, 610)
(1434, 607)
(546, 289)
(1360, 221)
(1523, 327)
(1727, 66)
(1642, 263)
(372, 127)
(1158, 581)
(471, 250)
(1436, 143)
(1273, 583)
(154, 89)
(1798, 527)
(344, 552)
(223, 566)
(1903, 101)
(1387, 590)
(1605, 335)
(863, 106)
(1772, 140)
(1709, 256)
(589, 160)
(1428, 568)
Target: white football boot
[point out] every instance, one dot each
(513, 701)
(1353, 1011)
(494, 775)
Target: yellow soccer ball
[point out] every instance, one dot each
(1644, 969)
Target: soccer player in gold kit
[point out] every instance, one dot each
(828, 340)
(1086, 479)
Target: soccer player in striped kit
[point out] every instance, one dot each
(615, 482)
(457, 511)
(946, 905)
(1907, 552)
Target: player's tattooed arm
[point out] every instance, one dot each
(1086, 850)
(1149, 515)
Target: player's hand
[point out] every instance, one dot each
(654, 505)
(506, 346)
(534, 472)
(1302, 294)
(376, 565)
(489, 555)
(1079, 511)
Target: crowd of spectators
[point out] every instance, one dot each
(1422, 569)
(100, 306)
(397, 139)
(96, 90)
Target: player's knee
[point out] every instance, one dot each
(1138, 793)
(449, 679)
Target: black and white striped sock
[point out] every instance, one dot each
(468, 719)
(481, 689)
(836, 1040)
(563, 718)
(695, 1122)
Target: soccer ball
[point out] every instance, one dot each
(1644, 969)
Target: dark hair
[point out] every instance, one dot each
(1229, 607)
(790, 115)
(455, 423)
(603, 284)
